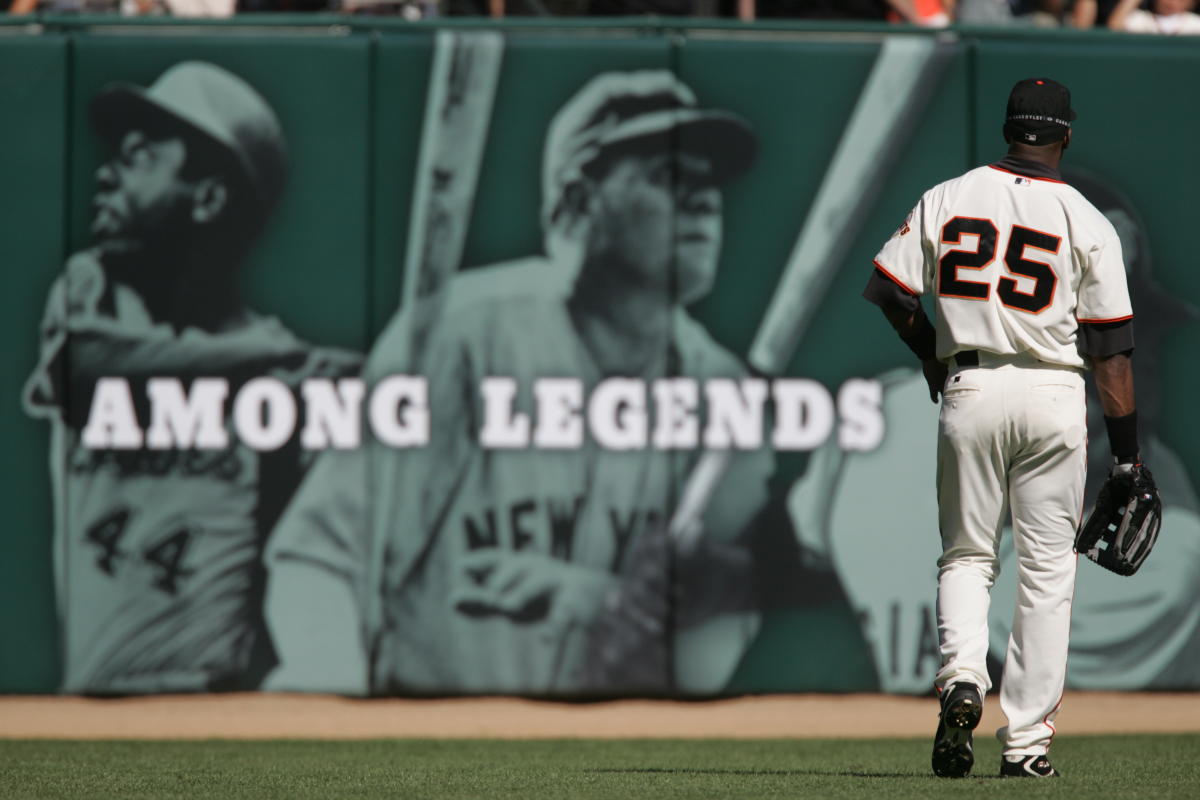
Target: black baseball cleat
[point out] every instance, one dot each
(953, 751)
(1027, 767)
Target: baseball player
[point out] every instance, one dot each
(1125, 634)
(158, 550)
(497, 560)
(1030, 290)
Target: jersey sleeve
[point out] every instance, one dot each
(1104, 339)
(1103, 290)
(42, 393)
(886, 293)
(903, 258)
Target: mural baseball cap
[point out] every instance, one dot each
(618, 108)
(210, 102)
(1039, 112)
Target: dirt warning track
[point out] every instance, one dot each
(286, 716)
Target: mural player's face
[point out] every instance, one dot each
(656, 211)
(140, 192)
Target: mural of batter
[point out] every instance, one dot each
(498, 559)
(158, 536)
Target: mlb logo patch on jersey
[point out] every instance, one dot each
(1023, 182)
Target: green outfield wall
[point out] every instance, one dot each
(283, 293)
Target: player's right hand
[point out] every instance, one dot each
(529, 587)
(84, 283)
(935, 376)
(94, 293)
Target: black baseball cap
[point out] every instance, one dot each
(1039, 112)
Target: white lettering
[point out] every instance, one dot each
(264, 413)
(559, 413)
(399, 411)
(332, 413)
(803, 414)
(503, 428)
(735, 413)
(192, 420)
(112, 423)
(675, 425)
(617, 414)
(860, 406)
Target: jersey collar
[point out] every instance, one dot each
(1028, 169)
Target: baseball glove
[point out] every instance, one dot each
(1123, 527)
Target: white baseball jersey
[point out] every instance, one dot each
(1014, 263)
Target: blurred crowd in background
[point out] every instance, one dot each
(1168, 17)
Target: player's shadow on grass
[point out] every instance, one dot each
(783, 772)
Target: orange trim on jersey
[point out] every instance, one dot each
(1114, 319)
(967, 296)
(893, 278)
(1021, 257)
(1019, 175)
(1046, 720)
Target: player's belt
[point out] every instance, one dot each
(967, 358)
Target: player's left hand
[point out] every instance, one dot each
(530, 587)
(935, 376)
(1127, 518)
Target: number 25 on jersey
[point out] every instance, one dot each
(952, 282)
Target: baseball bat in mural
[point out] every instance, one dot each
(458, 112)
(899, 87)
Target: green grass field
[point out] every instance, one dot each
(1094, 767)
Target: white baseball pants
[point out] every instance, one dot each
(1012, 435)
